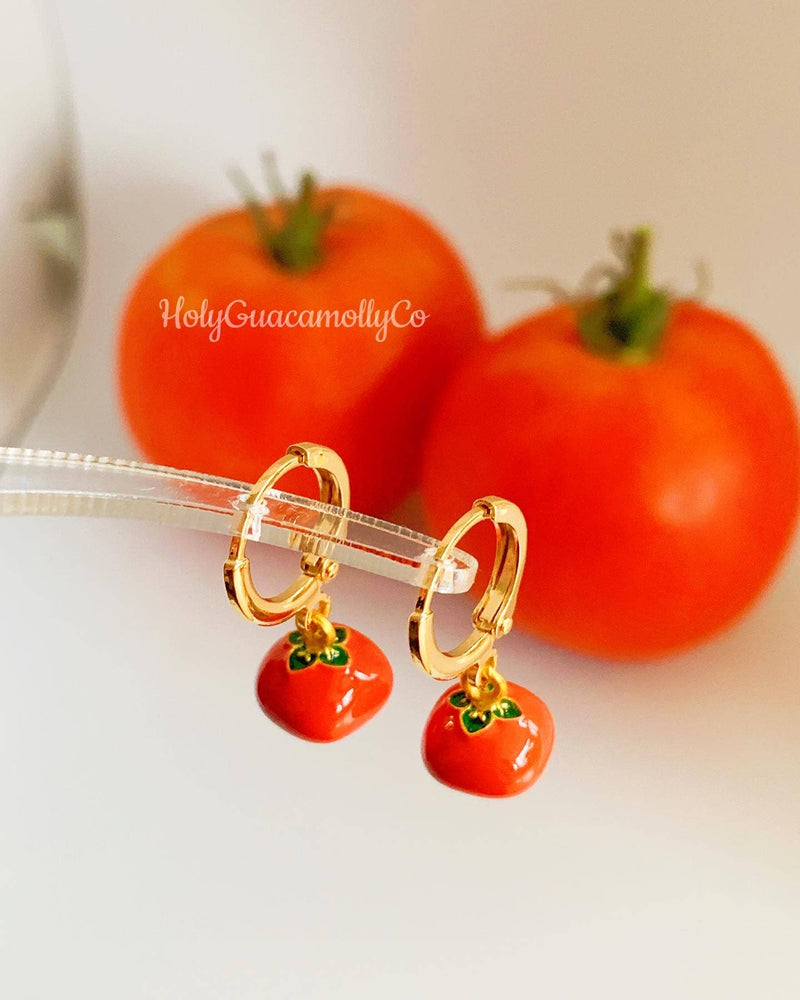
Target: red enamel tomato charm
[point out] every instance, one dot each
(497, 753)
(324, 696)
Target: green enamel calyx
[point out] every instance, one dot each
(474, 721)
(334, 655)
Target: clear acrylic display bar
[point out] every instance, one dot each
(58, 484)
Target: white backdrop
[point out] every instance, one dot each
(160, 839)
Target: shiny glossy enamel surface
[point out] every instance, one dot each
(495, 756)
(323, 697)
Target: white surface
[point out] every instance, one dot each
(160, 839)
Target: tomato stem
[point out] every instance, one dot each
(295, 243)
(627, 323)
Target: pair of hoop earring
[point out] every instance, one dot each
(324, 680)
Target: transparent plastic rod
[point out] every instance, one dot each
(58, 484)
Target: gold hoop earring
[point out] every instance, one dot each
(485, 735)
(323, 680)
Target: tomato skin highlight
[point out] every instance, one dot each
(228, 407)
(321, 702)
(660, 497)
(503, 759)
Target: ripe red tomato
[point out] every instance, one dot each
(497, 753)
(324, 696)
(227, 397)
(660, 494)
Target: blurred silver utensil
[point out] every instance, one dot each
(40, 222)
